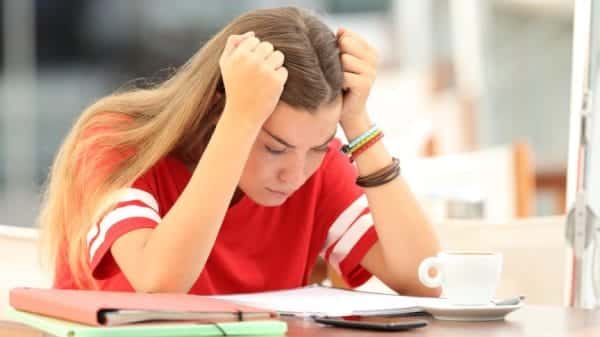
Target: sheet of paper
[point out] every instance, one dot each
(324, 301)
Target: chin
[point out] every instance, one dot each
(268, 201)
(272, 203)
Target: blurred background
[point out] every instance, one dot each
(473, 95)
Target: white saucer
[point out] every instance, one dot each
(443, 310)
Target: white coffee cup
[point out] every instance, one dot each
(466, 277)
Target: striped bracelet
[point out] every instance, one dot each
(365, 146)
(361, 140)
(364, 135)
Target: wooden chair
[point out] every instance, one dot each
(553, 180)
(503, 177)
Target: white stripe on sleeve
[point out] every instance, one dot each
(349, 240)
(125, 195)
(117, 216)
(132, 194)
(344, 220)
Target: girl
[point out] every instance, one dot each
(226, 178)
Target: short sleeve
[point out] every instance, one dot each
(343, 206)
(136, 207)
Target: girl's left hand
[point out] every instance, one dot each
(359, 62)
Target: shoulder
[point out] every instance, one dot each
(166, 171)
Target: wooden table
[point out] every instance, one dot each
(534, 321)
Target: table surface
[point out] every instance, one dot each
(538, 321)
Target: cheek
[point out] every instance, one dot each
(260, 165)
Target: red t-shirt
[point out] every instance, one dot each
(258, 248)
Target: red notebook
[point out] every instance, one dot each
(114, 308)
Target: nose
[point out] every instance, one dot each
(293, 173)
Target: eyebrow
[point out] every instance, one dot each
(292, 146)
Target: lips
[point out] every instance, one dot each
(278, 192)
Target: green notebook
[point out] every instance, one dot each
(62, 328)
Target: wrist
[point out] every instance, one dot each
(232, 120)
(355, 126)
(242, 121)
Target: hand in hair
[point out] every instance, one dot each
(359, 62)
(253, 76)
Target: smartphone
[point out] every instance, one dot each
(381, 323)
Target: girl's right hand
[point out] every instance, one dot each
(253, 76)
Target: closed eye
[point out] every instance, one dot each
(274, 151)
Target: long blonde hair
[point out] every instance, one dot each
(142, 125)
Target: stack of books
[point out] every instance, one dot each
(84, 313)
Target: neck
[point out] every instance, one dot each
(237, 196)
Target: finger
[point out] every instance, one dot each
(234, 40)
(350, 45)
(282, 74)
(243, 37)
(353, 81)
(345, 32)
(264, 50)
(351, 63)
(247, 45)
(276, 59)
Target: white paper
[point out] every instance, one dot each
(324, 301)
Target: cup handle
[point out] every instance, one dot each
(428, 263)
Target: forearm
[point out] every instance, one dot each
(178, 249)
(405, 234)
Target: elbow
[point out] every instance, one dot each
(159, 278)
(162, 284)
(153, 288)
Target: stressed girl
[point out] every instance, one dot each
(227, 177)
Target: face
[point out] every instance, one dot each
(287, 151)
